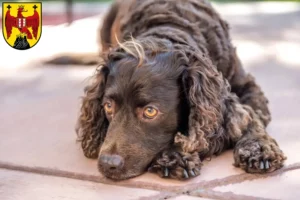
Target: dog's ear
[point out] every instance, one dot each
(92, 123)
(203, 86)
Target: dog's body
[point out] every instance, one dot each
(172, 96)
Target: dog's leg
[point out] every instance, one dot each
(255, 151)
(173, 163)
(248, 90)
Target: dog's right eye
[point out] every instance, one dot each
(150, 112)
(108, 108)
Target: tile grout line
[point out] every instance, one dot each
(184, 189)
(234, 179)
(212, 194)
(160, 196)
(81, 176)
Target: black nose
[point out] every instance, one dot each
(111, 162)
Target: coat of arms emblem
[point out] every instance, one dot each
(21, 24)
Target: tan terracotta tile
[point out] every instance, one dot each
(285, 186)
(284, 104)
(38, 118)
(27, 186)
(286, 132)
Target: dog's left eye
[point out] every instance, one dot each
(150, 112)
(108, 108)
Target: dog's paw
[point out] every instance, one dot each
(172, 164)
(259, 156)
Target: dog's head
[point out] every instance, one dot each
(142, 95)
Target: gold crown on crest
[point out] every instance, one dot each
(21, 6)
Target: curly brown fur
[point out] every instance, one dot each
(182, 63)
(92, 124)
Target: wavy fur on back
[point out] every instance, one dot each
(193, 23)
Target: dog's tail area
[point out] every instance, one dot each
(75, 59)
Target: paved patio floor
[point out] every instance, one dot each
(39, 156)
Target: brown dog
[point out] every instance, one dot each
(173, 95)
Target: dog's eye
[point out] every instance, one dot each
(150, 112)
(108, 108)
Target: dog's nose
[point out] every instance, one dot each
(111, 162)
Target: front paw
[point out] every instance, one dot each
(172, 164)
(258, 156)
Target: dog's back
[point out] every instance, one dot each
(191, 22)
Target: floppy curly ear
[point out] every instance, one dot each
(92, 123)
(203, 87)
